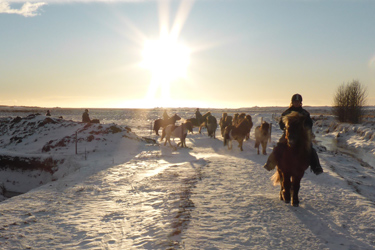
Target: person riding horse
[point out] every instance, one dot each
(198, 116)
(296, 105)
(165, 115)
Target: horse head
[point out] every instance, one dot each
(265, 127)
(206, 115)
(296, 133)
(176, 117)
(248, 117)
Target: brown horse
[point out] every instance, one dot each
(250, 121)
(294, 159)
(224, 122)
(196, 123)
(262, 133)
(210, 124)
(176, 131)
(235, 119)
(237, 133)
(161, 123)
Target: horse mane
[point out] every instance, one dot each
(298, 119)
(228, 119)
(265, 127)
(292, 117)
(243, 126)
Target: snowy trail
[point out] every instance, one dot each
(202, 197)
(137, 205)
(236, 207)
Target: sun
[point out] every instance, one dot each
(166, 57)
(167, 60)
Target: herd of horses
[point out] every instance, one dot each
(235, 128)
(291, 165)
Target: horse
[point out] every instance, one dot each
(294, 159)
(196, 122)
(262, 133)
(176, 131)
(237, 133)
(235, 119)
(211, 125)
(250, 121)
(225, 121)
(161, 123)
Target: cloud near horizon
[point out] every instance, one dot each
(30, 7)
(27, 10)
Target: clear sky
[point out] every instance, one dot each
(203, 53)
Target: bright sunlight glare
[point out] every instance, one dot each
(166, 59)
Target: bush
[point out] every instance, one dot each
(349, 101)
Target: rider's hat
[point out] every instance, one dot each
(296, 97)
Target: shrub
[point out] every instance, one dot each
(349, 101)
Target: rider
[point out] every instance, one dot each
(165, 115)
(85, 116)
(296, 105)
(198, 116)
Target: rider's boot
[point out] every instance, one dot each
(271, 162)
(314, 163)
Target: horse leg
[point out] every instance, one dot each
(169, 140)
(183, 141)
(296, 184)
(156, 130)
(286, 188)
(264, 146)
(240, 144)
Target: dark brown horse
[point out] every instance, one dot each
(224, 122)
(262, 134)
(196, 123)
(210, 124)
(237, 133)
(250, 121)
(294, 159)
(161, 123)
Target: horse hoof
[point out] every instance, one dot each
(295, 204)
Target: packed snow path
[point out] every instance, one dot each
(203, 197)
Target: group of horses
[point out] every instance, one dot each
(235, 128)
(169, 129)
(292, 163)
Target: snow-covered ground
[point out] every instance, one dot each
(122, 191)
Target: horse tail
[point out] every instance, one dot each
(156, 126)
(275, 178)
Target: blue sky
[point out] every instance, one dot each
(243, 53)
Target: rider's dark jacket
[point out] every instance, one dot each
(308, 121)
